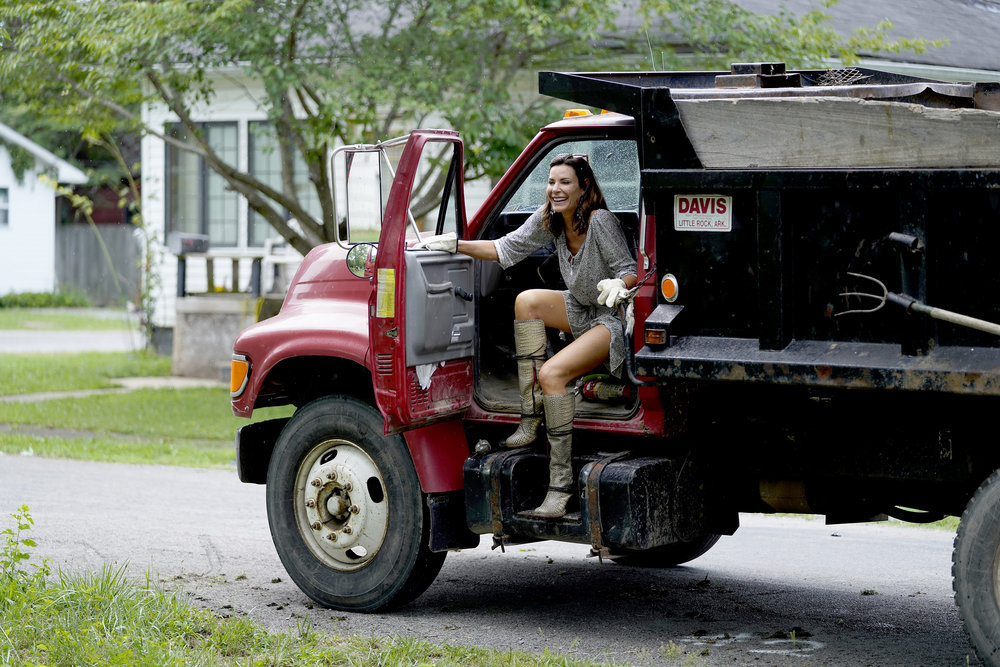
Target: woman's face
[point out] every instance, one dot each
(564, 189)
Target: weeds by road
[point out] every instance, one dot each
(103, 618)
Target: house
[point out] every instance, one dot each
(179, 194)
(28, 212)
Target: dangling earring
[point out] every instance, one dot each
(578, 220)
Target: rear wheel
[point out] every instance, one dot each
(346, 511)
(666, 556)
(976, 570)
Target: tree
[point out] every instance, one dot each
(346, 71)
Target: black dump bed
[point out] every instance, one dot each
(764, 299)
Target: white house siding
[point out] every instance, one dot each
(233, 102)
(27, 241)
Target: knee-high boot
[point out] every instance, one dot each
(529, 344)
(559, 411)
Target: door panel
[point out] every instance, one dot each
(422, 328)
(439, 322)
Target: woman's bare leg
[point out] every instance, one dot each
(542, 304)
(585, 353)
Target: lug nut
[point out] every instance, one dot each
(332, 475)
(317, 482)
(348, 487)
(332, 537)
(310, 503)
(317, 526)
(354, 509)
(348, 530)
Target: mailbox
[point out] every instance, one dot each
(181, 244)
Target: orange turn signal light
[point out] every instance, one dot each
(239, 375)
(669, 287)
(569, 113)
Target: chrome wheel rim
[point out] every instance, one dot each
(340, 505)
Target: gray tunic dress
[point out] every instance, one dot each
(604, 254)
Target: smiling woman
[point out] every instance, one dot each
(599, 271)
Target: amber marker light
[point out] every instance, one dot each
(570, 113)
(239, 375)
(656, 337)
(669, 287)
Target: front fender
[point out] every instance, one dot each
(340, 334)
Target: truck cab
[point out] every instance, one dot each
(814, 332)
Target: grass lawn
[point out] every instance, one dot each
(71, 319)
(184, 427)
(31, 373)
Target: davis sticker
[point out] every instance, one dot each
(703, 213)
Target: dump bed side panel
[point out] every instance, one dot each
(766, 300)
(778, 274)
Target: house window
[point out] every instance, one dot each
(4, 207)
(265, 165)
(198, 200)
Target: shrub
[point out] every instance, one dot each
(56, 299)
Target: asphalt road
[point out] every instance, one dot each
(854, 594)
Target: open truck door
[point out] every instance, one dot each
(422, 316)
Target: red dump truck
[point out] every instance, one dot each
(815, 332)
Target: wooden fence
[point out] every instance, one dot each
(81, 262)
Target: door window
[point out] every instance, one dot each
(436, 197)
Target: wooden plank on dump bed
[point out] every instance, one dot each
(823, 132)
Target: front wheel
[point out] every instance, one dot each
(346, 511)
(976, 570)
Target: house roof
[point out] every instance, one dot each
(971, 27)
(65, 172)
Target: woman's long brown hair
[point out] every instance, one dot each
(591, 199)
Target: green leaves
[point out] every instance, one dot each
(352, 71)
(12, 574)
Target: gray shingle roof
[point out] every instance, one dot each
(972, 27)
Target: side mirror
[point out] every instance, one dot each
(359, 192)
(361, 259)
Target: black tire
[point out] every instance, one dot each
(666, 556)
(975, 570)
(334, 473)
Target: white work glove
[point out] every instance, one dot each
(447, 242)
(629, 319)
(612, 290)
